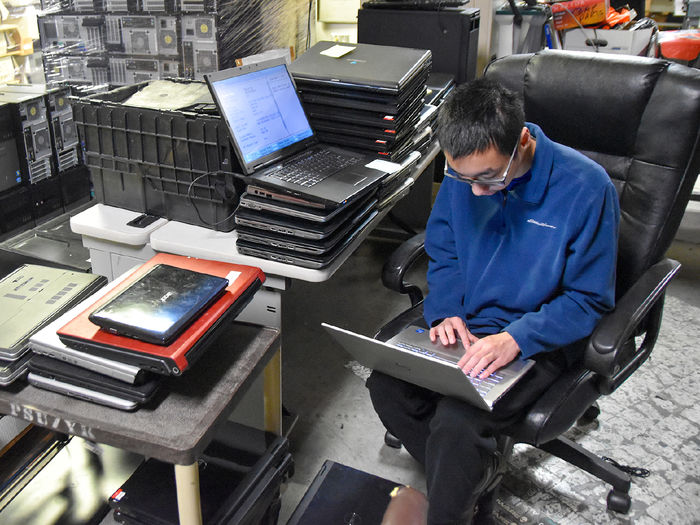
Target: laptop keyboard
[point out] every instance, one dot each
(311, 169)
(482, 385)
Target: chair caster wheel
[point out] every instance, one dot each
(590, 415)
(619, 501)
(391, 440)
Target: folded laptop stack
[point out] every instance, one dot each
(31, 297)
(116, 346)
(366, 96)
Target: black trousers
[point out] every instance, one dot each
(452, 439)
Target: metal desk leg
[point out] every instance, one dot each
(188, 502)
(272, 394)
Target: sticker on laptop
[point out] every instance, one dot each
(384, 165)
(337, 51)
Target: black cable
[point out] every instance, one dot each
(191, 199)
(632, 471)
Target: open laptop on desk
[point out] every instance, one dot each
(274, 142)
(413, 357)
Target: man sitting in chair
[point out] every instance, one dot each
(522, 244)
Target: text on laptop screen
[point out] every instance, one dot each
(263, 111)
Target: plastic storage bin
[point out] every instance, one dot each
(174, 164)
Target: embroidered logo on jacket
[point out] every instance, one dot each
(543, 224)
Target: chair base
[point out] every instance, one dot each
(571, 452)
(390, 440)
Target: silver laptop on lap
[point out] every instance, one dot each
(411, 356)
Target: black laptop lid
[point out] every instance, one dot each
(367, 66)
(160, 305)
(263, 112)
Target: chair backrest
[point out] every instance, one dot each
(637, 117)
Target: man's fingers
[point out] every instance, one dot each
(464, 336)
(490, 370)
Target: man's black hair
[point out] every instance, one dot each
(479, 115)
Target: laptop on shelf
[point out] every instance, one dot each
(274, 142)
(314, 95)
(32, 296)
(258, 199)
(300, 244)
(65, 378)
(159, 305)
(376, 119)
(413, 357)
(46, 342)
(80, 333)
(304, 260)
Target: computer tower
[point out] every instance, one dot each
(32, 127)
(146, 35)
(64, 133)
(46, 198)
(140, 35)
(452, 35)
(126, 70)
(199, 46)
(10, 175)
(72, 33)
(16, 211)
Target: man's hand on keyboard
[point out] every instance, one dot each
(451, 329)
(488, 354)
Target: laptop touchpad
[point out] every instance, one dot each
(352, 179)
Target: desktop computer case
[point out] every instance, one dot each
(451, 34)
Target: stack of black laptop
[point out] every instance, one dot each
(305, 202)
(366, 96)
(117, 346)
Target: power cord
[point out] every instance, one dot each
(194, 205)
(637, 472)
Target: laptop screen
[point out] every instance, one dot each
(263, 111)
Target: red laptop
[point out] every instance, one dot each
(176, 356)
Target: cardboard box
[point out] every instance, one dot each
(617, 41)
(587, 12)
(7, 70)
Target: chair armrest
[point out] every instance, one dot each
(399, 263)
(612, 351)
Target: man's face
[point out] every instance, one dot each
(491, 167)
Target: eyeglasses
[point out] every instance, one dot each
(450, 172)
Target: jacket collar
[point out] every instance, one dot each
(532, 190)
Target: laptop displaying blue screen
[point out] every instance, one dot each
(264, 111)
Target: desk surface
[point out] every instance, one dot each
(179, 423)
(109, 223)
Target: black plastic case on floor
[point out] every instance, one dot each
(341, 494)
(240, 474)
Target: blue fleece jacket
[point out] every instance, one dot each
(536, 260)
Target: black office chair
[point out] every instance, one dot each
(639, 118)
